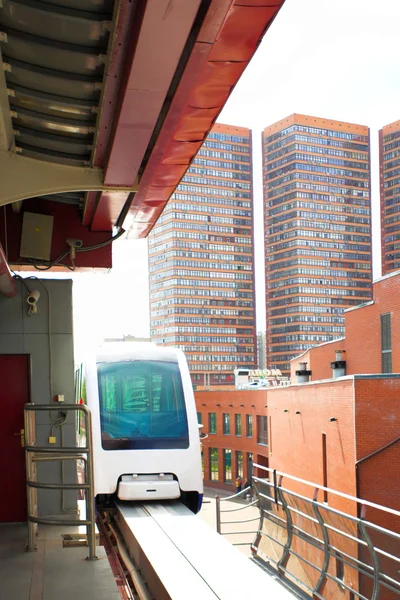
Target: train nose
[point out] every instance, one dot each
(158, 486)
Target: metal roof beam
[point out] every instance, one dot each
(6, 127)
(23, 177)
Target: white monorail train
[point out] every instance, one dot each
(146, 442)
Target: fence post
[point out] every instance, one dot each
(275, 487)
(218, 512)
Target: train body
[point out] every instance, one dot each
(146, 441)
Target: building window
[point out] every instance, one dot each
(386, 342)
(227, 423)
(212, 423)
(199, 418)
(238, 424)
(239, 463)
(262, 431)
(227, 466)
(249, 425)
(213, 456)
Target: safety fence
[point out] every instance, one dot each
(319, 542)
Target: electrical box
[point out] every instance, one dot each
(37, 232)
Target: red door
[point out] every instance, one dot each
(14, 393)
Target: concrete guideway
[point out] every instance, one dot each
(182, 557)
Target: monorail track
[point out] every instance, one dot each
(170, 554)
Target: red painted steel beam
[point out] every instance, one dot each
(7, 283)
(152, 56)
(227, 41)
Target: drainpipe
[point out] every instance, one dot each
(303, 375)
(338, 366)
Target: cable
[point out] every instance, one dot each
(49, 336)
(5, 233)
(102, 244)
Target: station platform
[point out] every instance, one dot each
(53, 572)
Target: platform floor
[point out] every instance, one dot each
(53, 572)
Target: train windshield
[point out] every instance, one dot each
(142, 406)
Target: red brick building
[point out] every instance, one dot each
(236, 422)
(341, 433)
(317, 203)
(201, 262)
(370, 339)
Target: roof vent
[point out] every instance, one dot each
(303, 375)
(338, 366)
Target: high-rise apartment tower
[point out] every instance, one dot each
(317, 230)
(201, 261)
(389, 172)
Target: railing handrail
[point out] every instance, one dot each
(285, 501)
(35, 454)
(392, 511)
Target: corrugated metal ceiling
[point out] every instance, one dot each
(54, 54)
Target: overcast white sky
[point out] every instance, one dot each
(335, 59)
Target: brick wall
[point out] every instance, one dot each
(363, 329)
(378, 424)
(296, 439)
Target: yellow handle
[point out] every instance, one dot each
(22, 436)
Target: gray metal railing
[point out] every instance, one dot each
(358, 555)
(219, 511)
(35, 454)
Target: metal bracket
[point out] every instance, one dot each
(319, 586)
(3, 37)
(6, 67)
(10, 92)
(371, 549)
(282, 562)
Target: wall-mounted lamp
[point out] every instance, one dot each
(332, 419)
(298, 412)
(252, 406)
(230, 404)
(217, 405)
(242, 405)
(286, 410)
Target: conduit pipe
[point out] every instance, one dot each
(132, 570)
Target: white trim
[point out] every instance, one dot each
(317, 346)
(359, 306)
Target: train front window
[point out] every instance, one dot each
(142, 406)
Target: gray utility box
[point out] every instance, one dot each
(37, 232)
